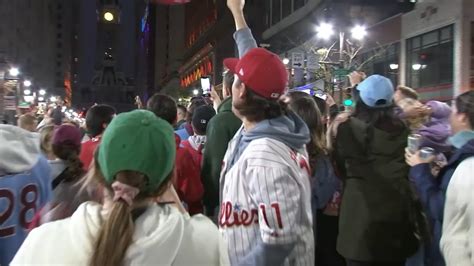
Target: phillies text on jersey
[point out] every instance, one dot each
(265, 196)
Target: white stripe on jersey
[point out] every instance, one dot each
(265, 196)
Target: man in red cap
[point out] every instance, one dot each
(265, 212)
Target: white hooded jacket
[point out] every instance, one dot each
(163, 236)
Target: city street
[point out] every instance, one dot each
(237, 132)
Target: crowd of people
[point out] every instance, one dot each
(262, 176)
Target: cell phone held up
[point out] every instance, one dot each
(206, 86)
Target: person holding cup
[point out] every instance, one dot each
(432, 191)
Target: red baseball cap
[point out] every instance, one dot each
(262, 71)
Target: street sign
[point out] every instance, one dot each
(297, 60)
(341, 72)
(9, 103)
(313, 62)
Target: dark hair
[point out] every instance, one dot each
(182, 108)
(228, 79)
(465, 105)
(57, 115)
(195, 103)
(322, 105)
(256, 108)
(307, 109)
(70, 154)
(164, 107)
(97, 116)
(382, 118)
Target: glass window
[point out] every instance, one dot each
(383, 62)
(446, 34)
(276, 11)
(430, 38)
(286, 8)
(430, 63)
(298, 4)
(415, 43)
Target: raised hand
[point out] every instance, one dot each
(236, 6)
(237, 9)
(356, 77)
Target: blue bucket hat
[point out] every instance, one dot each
(376, 91)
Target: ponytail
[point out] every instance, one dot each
(116, 233)
(70, 154)
(115, 236)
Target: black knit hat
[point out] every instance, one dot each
(201, 117)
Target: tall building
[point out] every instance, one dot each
(113, 46)
(193, 40)
(27, 41)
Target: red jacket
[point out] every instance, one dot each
(187, 181)
(87, 151)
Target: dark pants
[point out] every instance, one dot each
(375, 263)
(327, 229)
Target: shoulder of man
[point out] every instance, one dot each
(267, 152)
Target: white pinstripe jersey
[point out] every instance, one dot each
(265, 196)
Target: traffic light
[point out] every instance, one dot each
(348, 101)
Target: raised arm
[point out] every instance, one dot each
(243, 35)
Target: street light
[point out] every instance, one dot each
(40, 99)
(53, 99)
(14, 72)
(42, 92)
(286, 61)
(195, 92)
(324, 31)
(27, 92)
(359, 32)
(108, 16)
(416, 67)
(27, 83)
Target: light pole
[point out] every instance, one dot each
(325, 31)
(14, 72)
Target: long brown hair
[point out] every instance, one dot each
(308, 110)
(116, 232)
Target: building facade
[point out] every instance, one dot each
(291, 32)
(436, 48)
(194, 39)
(424, 44)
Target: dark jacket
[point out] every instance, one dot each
(220, 130)
(432, 193)
(375, 217)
